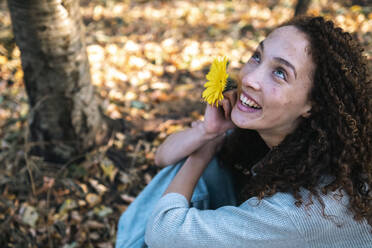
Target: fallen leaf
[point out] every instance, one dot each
(127, 198)
(30, 215)
(67, 205)
(109, 169)
(102, 211)
(100, 188)
(93, 199)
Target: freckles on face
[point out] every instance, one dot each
(288, 103)
(273, 91)
(277, 79)
(281, 99)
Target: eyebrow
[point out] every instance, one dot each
(286, 63)
(281, 60)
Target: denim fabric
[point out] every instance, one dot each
(214, 189)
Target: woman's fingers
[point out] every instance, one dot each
(218, 119)
(226, 108)
(228, 102)
(231, 95)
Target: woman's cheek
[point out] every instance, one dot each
(272, 92)
(278, 91)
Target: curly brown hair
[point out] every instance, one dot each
(335, 141)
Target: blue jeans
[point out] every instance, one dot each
(213, 190)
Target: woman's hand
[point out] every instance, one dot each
(217, 119)
(182, 144)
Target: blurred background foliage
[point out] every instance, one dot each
(148, 60)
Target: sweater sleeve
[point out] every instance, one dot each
(253, 224)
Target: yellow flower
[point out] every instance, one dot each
(216, 83)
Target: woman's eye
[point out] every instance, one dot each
(256, 57)
(280, 73)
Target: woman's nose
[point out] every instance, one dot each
(248, 81)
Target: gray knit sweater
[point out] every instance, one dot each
(273, 222)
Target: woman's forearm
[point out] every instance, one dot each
(182, 144)
(189, 174)
(187, 177)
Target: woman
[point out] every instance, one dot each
(297, 167)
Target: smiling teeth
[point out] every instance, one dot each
(248, 102)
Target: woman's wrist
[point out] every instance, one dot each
(205, 153)
(204, 133)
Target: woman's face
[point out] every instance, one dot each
(275, 85)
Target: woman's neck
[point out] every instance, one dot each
(271, 140)
(275, 137)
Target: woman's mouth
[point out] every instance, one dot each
(246, 104)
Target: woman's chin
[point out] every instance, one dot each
(245, 120)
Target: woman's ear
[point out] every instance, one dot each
(307, 111)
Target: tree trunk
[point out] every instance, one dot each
(65, 119)
(301, 7)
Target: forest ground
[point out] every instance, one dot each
(148, 62)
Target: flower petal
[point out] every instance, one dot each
(216, 83)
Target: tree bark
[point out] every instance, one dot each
(301, 7)
(65, 119)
